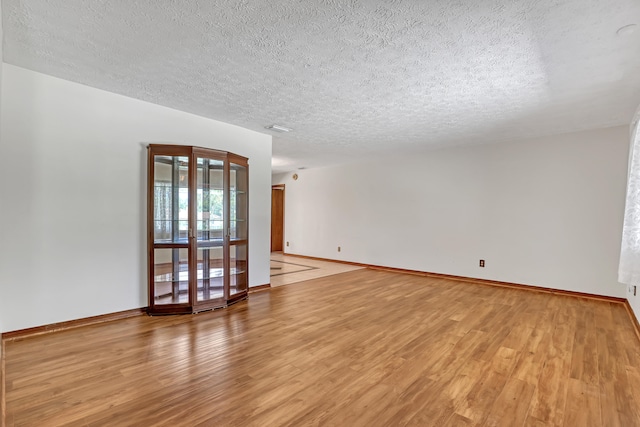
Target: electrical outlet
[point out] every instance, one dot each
(287, 243)
(481, 263)
(338, 248)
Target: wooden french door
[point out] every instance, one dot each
(277, 218)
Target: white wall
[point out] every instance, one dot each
(546, 212)
(1, 208)
(72, 186)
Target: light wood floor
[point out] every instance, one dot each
(288, 269)
(366, 347)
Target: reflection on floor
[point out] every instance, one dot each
(288, 269)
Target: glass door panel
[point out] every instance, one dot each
(210, 281)
(170, 199)
(210, 199)
(238, 269)
(238, 187)
(171, 276)
(210, 229)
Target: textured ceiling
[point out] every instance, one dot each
(353, 78)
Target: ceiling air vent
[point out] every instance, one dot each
(278, 128)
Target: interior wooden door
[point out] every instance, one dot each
(277, 218)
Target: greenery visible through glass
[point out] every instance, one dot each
(210, 199)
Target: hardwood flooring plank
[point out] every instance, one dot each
(481, 397)
(512, 405)
(532, 358)
(583, 405)
(457, 420)
(534, 422)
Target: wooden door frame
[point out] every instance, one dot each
(280, 187)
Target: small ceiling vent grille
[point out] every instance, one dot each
(278, 128)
